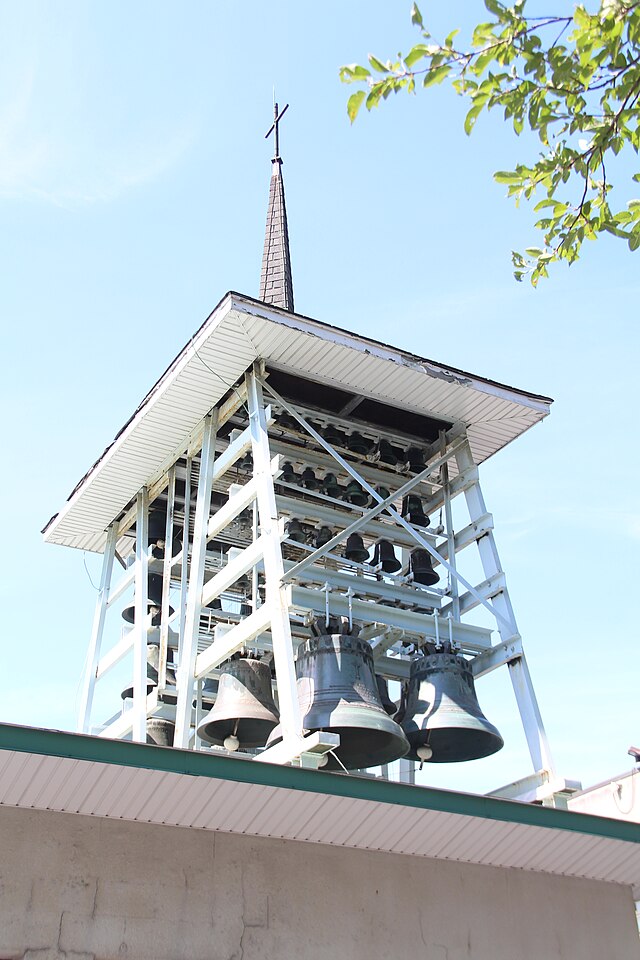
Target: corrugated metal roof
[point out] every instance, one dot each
(69, 773)
(240, 331)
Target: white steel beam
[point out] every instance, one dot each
(473, 639)
(276, 595)
(166, 581)
(291, 748)
(141, 606)
(93, 653)
(508, 629)
(496, 657)
(236, 568)
(189, 638)
(239, 636)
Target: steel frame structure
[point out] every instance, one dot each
(287, 594)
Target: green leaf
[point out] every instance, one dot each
(472, 116)
(416, 53)
(503, 176)
(436, 75)
(377, 64)
(534, 252)
(634, 241)
(354, 103)
(416, 16)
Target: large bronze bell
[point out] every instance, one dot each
(338, 692)
(153, 664)
(244, 713)
(355, 549)
(441, 715)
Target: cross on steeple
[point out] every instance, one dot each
(274, 127)
(276, 285)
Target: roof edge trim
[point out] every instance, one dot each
(56, 743)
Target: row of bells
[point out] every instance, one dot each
(438, 719)
(376, 451)
(384, 555)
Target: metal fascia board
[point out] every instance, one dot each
(145, 756)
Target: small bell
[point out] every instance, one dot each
(355, 549)
(413, 512)
(383, 493)
(308, 479)
(288, 473)
(359, 444)
(385, 453)
(295, 531)
(322, 535)
(385, 556)
(331, 486)
(415, 458)
(421, 567)
(334, 436)
(355, 494)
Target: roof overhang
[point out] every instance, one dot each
(70, 773)
(239, 332)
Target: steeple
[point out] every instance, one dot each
(276, 285)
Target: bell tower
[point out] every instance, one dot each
(290, 512)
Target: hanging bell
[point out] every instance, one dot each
(153, 664)
(383, 692)
(288, 473)
(385, 453)
(415, 458)
(355, 549)
(154, 602)
(421, 567)
(331, 486)
(308, 479)
(286, 422)
(413, 512)
(355, 494)
(334, 436)
(160, 731)
(322, 535)
(385, 556)
(383, 493)
(295, 530)
(338, 692)
(244, 713)
(359, 444)
(441, 715)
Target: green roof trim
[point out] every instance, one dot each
(56, 743)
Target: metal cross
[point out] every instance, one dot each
(277, 117)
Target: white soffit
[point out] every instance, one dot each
(240, 331)
(68, 773)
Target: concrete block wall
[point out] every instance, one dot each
(85, 888)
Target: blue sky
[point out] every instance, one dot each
(133, 188)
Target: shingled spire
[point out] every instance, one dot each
(276, 285)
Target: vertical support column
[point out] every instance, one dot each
(273, 566)
(184, 573)
(166, 581)
(451, 545)
(518, 669)
(93, 654)
(141, 608)
(189, 639)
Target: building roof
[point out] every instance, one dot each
(240, 331)
(72, 773)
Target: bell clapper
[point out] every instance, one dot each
(231, 743)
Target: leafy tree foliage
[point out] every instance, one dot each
(572, 80)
